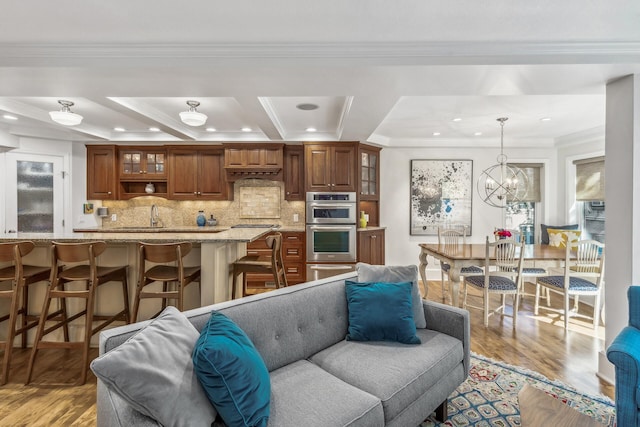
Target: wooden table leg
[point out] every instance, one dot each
(422, 268)
(454, 285)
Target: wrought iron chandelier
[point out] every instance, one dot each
(502, 183)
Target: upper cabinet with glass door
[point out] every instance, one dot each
(369, 173)
(146, 164)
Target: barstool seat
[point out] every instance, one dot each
(65, 268)
(272, 264)
(182, 276)
(20, 277)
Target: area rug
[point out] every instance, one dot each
(489, 397)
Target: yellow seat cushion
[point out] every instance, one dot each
(559, 238)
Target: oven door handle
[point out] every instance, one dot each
(330, 267)
(331, 205)
(331, 227)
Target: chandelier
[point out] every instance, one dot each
(193, 117)
(502, 183)
(65, 116)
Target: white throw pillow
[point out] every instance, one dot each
(153, 372)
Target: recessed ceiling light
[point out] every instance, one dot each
(545, 119)
(119, 129)
(478, 133)
(10, 117)
(436, 133)
(246, 129)
(311, 129)
(457, 119)
(154, 129)
(307, 107)
(210, 129)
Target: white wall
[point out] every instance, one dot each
(401, 247)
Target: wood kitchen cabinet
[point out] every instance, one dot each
(330, 166)
(371, 246)
(249, 160)
(101, 172)
(369, 169)
(142, 163)
(196, 174)
(293, 244)
(293, 171)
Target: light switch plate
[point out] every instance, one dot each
(114, 217)
(296, 217)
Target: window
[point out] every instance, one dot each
(590, 194)
(521, 215)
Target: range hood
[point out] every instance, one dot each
(253, 160)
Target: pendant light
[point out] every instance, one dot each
(193, 117)
(65, 116)
(502, 183)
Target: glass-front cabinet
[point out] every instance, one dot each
(369, 173)
(143, 164)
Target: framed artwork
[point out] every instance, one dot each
(87, 208)
(440, 195)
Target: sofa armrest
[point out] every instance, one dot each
(452, 321)
(624, 353)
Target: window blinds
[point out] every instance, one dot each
(590, 179)
(532, 171)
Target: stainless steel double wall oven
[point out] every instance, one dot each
(331, 233)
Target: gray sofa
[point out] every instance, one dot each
(317, 377)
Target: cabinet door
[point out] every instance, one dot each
(317, 163)
(294, 173)
(212, 184)
(235, 157)
(142, 164)
(344, 173)
(101, 173)
(369, 174)
(183, 174)
(371, 247)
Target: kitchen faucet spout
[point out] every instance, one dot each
(154, 217)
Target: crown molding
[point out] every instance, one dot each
(596, 134)
(458, 52)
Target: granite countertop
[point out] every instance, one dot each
(224, 235)
(368, 228)
(177, 229)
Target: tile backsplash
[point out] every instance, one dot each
(255, 201)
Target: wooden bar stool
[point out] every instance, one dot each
(163, 253)
(93, 275)
(272, 264)
(20, 277)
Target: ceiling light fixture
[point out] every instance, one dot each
(311, 129)
(436, 134)
(246, 129)
(65, 116)
(154, 129)
(210, 129)
(502, 183)
(545, 119)
(478, 133)
(9, 117)
(457, 119)
(193, 117)
(307, 107)
(119, 129)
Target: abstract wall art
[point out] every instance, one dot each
(440, 195)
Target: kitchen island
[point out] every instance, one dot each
(214, 250)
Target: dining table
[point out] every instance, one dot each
(466, 255)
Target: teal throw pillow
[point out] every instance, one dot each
(232, 373)
(380, 311)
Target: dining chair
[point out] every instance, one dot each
(272, 264)
(583, 275)
(504, 278)
(163, 256)
(19, 276)
(452, 239)
(73, 262)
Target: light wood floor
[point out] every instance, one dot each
(539, 344)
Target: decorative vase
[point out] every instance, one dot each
(150, 188)
(363, 220)
(212, 221)
(200, 219)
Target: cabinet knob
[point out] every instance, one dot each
(195, 192)
(199, 193)
(109, 192)
(288, 192)
(373, 237)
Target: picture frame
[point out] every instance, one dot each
(87, 208)
(441, 195)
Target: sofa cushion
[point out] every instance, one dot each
(154, 373)
(302, 394)
(396, 273)
(544, 234)
(395, 373)
(232, 373)
(380, 312)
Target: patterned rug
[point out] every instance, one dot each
(489, 397)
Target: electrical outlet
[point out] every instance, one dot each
(114, 217)
(296, 217)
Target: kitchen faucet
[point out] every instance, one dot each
(155, 216)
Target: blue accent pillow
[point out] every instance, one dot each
(380, 311)
(232, 373)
